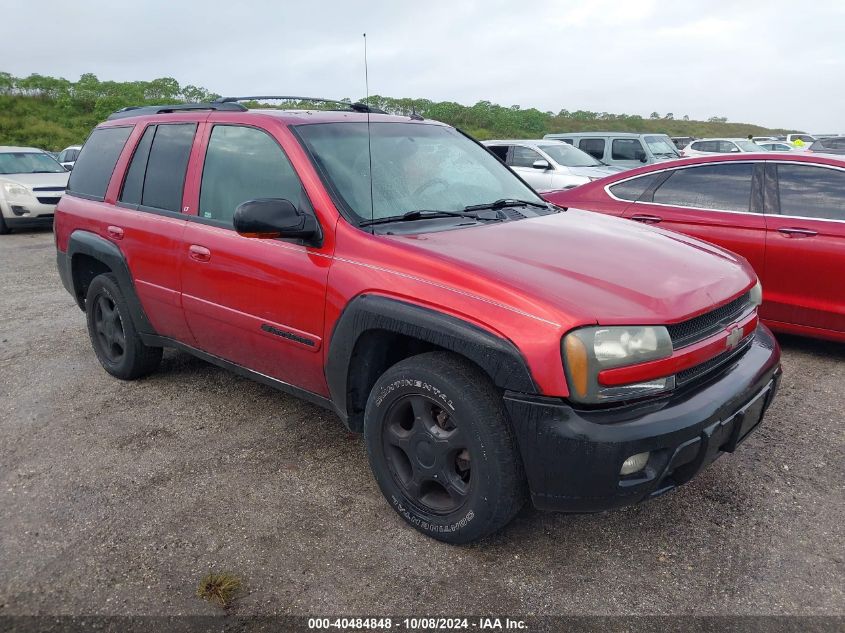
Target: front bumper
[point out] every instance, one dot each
(26, 214)
(573, 457)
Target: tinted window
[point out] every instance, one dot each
(501, 152)
(593, 146)
(166, 166)
(726, 147)
(71, 155)
(812, 192)
(133, 185)
(567, 140)
(723, 187)
(634, 188)
(626, 149)
(96, 161)
(523, 157)
(243, 164)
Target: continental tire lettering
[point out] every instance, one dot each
(417, 384)
(427, 525)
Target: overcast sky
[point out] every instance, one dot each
(778, 63)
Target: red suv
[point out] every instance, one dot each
(489, 345)
(785, 213)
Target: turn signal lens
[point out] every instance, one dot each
(576, 363)
(756, 294)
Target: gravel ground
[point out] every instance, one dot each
(116, 498)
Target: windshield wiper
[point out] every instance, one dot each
(506, 202)
(425, 214)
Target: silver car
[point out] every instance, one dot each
(550, 165)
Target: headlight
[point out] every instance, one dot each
(756, 294)
(588, 351)
(14, 190)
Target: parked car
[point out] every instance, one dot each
(784, 213)
(67, 157)
(834, 145)
(393, 271)
(704, 147)
(805, 139)
(549, 165)
(31, 183)
(621, 149)
(777, 146)
(681, 142)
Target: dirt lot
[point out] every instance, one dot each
(116, 498)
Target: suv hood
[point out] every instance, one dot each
(38, 180)
(590, 268)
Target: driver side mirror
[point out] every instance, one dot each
(541, 163)
(273, 217)
(68, 167)
(640, 156)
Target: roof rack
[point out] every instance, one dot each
(355, 106)
(176, 107)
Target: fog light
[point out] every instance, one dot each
(19, 210)
(634, 463)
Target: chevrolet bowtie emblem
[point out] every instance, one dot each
(734, 337)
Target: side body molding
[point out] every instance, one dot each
(100, 249)
(498, 357)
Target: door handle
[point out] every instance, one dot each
(647, 219)
(115, 232)
(199, 253)
(792, 232)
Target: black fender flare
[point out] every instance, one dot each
(87, 243)
(498, 357)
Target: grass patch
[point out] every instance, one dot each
(219, 588)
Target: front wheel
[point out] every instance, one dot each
(442, 449)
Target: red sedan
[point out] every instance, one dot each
(784, 213)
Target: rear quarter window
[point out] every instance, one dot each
(633, 189)
(94, 166)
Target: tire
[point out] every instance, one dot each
(4, 228)
(442, 449)
(113, 336)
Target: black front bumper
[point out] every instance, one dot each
(573, 457)
(29, 222)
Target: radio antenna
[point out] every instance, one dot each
(369, 137)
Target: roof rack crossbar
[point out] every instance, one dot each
(356, 106)
(175, 107)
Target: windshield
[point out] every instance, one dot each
(568, 156)
(28, 163)
(415, 167)
(748, 146)
(661, 146)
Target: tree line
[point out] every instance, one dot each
(52, 113)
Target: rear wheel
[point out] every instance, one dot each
(441, 448)
(117, 345)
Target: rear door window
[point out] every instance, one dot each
(812, 192)
(133, 184)
(725, 187)
(94, 166)
(593, 146)
(166, 166)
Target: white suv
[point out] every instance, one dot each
(550, 165)
(31, 184)
(706, 146)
